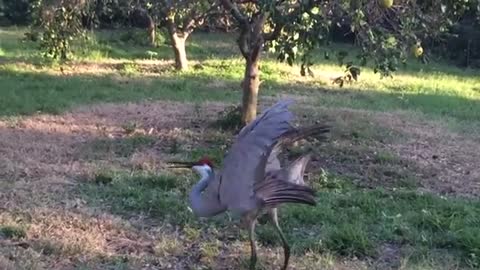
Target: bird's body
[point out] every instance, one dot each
(252, 181)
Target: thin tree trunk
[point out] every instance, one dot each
(250, 85)
(250, 43)
(178, 45)
(151, 32)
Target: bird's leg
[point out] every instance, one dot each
(286, 248)
(253, 244)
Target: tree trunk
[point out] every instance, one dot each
(151, 33)
(250, 85)
(178, 44)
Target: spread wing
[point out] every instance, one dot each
(245, 163)
(297, 168)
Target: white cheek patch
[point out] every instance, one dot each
(206, 168)
(203, 170)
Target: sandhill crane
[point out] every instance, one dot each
(252, 181)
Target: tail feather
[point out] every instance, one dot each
(280, 185)
(275, 191)
(291, 199)
(275, 202)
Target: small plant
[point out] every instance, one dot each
(12, 232)
(351, 73)
(129, 128)
(103, 178)
(230, 118)
(129, 68)
(151, 54)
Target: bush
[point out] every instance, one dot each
(59, 31)
(229, 119)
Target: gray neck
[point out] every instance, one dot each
(204, 206)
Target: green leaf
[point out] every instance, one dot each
(315, 10)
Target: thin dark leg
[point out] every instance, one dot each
(286, 248)
(253, 244)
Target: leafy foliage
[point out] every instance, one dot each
(230, 118)
(351, 73)
(61, 24)
(385, 35)
(179, 16)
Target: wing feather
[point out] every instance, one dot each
(245, 163)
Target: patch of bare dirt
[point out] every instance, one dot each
(46, 147)
(450, 160)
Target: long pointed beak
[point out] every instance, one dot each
(180, 164)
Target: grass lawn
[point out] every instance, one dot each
(83, 146)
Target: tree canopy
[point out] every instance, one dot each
(386, 31)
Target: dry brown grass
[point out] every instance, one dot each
(41, 166)
(443, 161)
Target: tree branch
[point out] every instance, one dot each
(196, 19)
(172, 29)
(275, 33)
(257, 35)
(233, 9)
(243, 40)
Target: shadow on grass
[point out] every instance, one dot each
(26, 93)
(200, 46)
(120, 44)
(437, 105)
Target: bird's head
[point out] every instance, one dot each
(201, 166)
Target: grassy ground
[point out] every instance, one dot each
(83, 183)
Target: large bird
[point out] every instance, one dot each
(252, 181)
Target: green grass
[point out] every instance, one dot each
(347, 221)
(26, 93)
(11, 232)
(435, 90)
(373, 204)
(156, 196)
